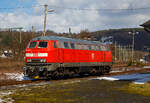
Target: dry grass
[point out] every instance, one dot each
(141, 89)
(10, 65)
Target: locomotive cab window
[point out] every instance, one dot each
(42, 44)
(32, 44)
(54, 45)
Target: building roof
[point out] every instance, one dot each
(66, 39)
(146, 24)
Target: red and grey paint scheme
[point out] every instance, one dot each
(56, 57)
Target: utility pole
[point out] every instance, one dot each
(119, 52)
(32, 31)
(115, 51)
(45, 19)
(133, 34)
(20, 30)
(70, 34)
(102, 39)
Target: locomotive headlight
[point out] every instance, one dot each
(42, 54)
(29, 60)
(29, 54)
(43, 60)
(41, 69)
(24, 68)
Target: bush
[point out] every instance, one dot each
(139, 64)
(130, 63)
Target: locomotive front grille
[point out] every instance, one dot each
(36, 60)
(41, 61)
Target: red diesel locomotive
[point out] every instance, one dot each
(56, 57)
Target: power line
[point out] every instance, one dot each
(21, 7)
(83, 9)
(100, 9)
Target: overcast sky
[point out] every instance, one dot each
(76, 14)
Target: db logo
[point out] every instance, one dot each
(35, 55)
(92, 55)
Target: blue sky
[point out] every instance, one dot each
(63, 19)
(16, 3)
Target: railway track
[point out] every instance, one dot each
(14, 82)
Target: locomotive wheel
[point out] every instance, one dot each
(71, 74)
(101, 71)
(55, 75)
(107, 69)
(81, 74)
(93, 71)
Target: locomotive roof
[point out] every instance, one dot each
(65, 39)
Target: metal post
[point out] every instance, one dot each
(70, 34)
(133, 46)
(115, 52)
(45, 20)
(133, 34)
(20, 35)
(119, 52)
(32, 31)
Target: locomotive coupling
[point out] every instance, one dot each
(36, 77)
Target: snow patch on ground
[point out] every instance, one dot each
(136, 78)
(115, 71)
(71, 82)
(14, 76)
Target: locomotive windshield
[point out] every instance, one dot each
(32, 44)
(42, 44)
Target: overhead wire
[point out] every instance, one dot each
(82, 9)
(101, 9)
(21, 7)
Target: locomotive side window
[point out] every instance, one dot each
(66, 45)
(72, 45)
(42, 44)
(103, 48)
(54, 45)
(82, 47)
(97, 47)
(93, 47)
(90, 47)
(32, 44)
(100, 48)
(78, 46)
(108, 48)
(86, 47)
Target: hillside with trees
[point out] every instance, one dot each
(11, 40)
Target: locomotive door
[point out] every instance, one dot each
(56, 51)
(60, 52)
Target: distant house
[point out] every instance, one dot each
(146, 26)
(6, 54)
